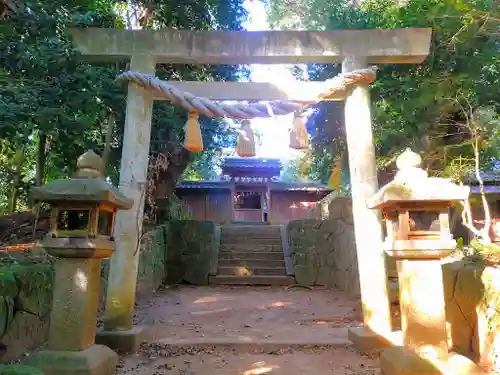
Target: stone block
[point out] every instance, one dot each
(197, 271)
(76, 296)
(175, 271)
(306, 275)
(151, 270)
(35, 283)
(8, 284)
(325, 277)
(402, 361)
(6, 314)
(366, 341)
(95, 360)
(27, 331)
(19, 370)
(124, 341)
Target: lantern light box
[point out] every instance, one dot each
(415, 210)
(83, 210)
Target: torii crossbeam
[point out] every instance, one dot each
(355, 49)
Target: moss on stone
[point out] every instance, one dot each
(19, 370)
(323, 251)
(35, 283)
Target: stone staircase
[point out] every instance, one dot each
(251, 255)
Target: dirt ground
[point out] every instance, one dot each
(248, 331)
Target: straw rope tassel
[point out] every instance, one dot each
(299, 139)
(335, 180)
(193, 140)
(246, 141)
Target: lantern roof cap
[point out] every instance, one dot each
(88, 185)
(413, 184)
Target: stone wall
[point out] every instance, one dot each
(180, 251)
(192, 249)
(472, 296)
(151, 269)
(25, 303)
(323, 251)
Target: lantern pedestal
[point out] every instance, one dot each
(71, 347)
(95, 360)
(421, 301)
(423, 322)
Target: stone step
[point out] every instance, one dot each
(258, 227)
(252, 233)
(250, 247)
(247, 255)
(248, 240)
(247, 271)
(252, 263)
(252, 280)
(262, 231)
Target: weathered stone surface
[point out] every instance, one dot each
(19, 370)
(6, 313)
(35, 284)
(95, 360)
(26, 331)
(323, 251)
(402, 361)
(151, 270)
(124, 341)
(8, 284)
(25, 302)
(472, 296)
(210, 47)
(197, 244)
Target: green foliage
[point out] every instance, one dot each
(291, 170)
(54, 106)
(421, 106)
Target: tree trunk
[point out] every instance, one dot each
(19, 161)
(107, 144)
(41, 159)
(178, 160)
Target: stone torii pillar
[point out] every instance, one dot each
(118, 332)
(373, 279)
(353, 48)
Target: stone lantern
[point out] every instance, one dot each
(415, 209)
(83, 212)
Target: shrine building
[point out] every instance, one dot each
(249, 190)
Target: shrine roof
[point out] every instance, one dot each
(488, 189)
(251, 163)
(489, 178)
(274, 186)
(298, 186)
(203, 184)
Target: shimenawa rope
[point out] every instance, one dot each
(336, 89)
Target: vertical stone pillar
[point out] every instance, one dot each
(423, 319)
(118, 332)
(367, 224)
(74, 306)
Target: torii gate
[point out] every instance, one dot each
(355, 49)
